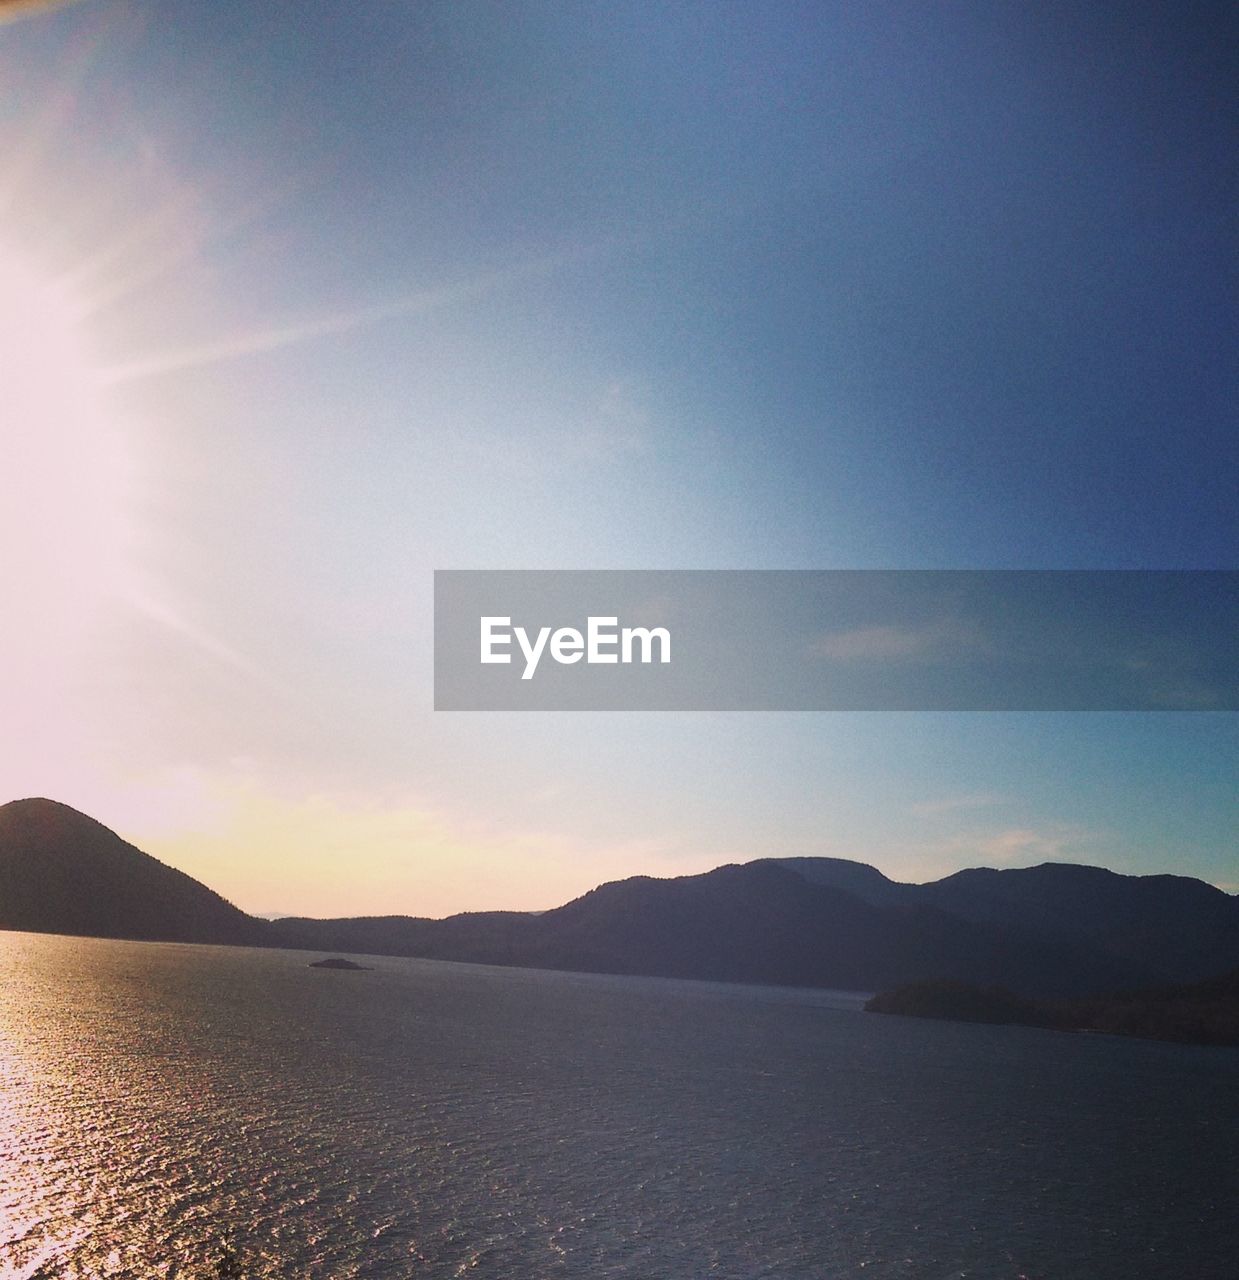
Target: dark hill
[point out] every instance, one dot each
(859, 878)
(1156, 929)
(961, 1002)
(62, 872)
(1193, 1013)
(482, 937)
(1173, 928)
(760, 922)
(1049, 931)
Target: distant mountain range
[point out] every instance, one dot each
(1050, 931)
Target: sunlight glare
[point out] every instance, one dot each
(64, 478)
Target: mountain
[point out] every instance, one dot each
(1193, 1013)
(62, 872)
(1160, 928)
(1173, 928)
(481, 937)
(1052, 931)
(859, 878)
(759, 922)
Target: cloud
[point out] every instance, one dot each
(11, 10)
(889, 642)
(1028, 845)
(294, 333)
(953, 804)
(992, 845)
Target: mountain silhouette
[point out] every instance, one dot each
(1194, 1013)
(1049, 931)
(1176, 928)
(770, 922)
(62, 872)
(1163, 928)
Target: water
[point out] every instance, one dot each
(436, 1120)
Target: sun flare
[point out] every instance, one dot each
(64, 477)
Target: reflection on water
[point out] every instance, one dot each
(163, 1106)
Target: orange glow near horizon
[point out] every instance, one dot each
(324, 857)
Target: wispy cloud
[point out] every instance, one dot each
(993, 845)
(956, 804)
(1025, 845)
(294, 333)
(26, 8)
(893, 642)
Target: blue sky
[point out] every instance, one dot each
(375, 290)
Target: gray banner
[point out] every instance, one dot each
(839, 640)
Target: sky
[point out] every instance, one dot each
(301, 303)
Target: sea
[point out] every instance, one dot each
(202, 1112)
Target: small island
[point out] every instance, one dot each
(338, 962)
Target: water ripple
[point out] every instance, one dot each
(161, 1104)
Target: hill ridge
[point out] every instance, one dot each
(799, 921)
(63, 871)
